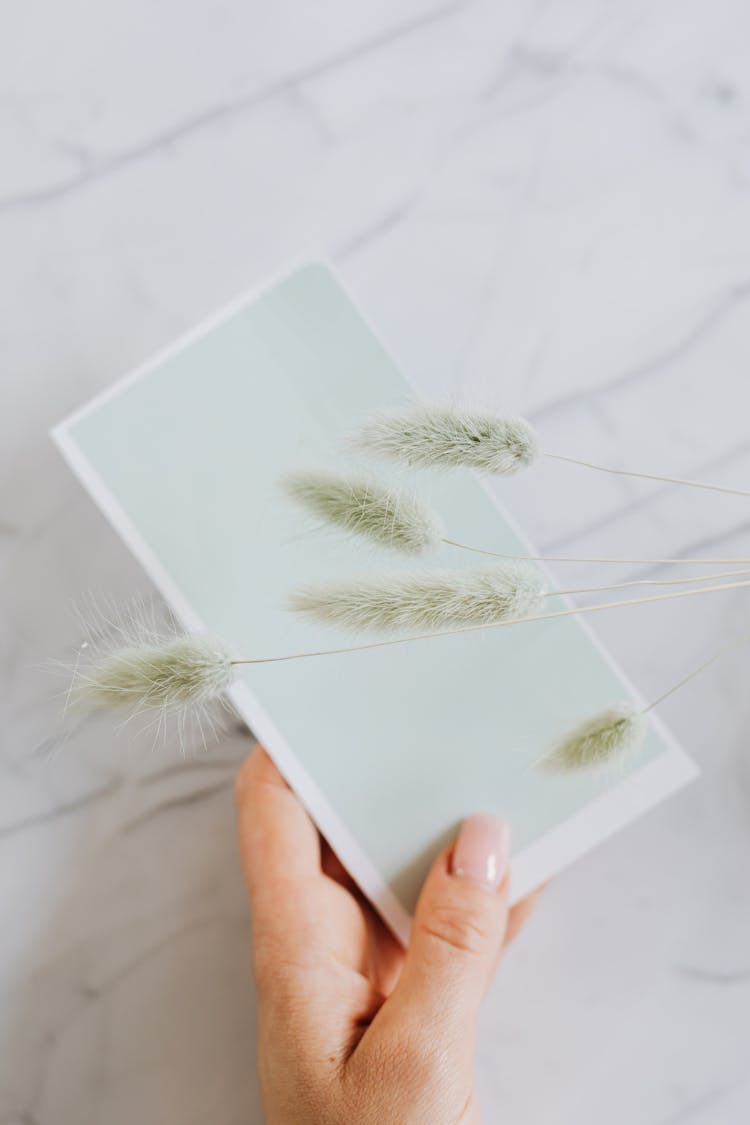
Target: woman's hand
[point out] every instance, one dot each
(352, 1029)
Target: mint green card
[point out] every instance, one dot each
(388, 748)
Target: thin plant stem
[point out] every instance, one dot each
(495, 624)
(647, 582)
(649, 476)
(569, 559)
(723, 651)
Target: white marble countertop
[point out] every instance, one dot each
(543, 207)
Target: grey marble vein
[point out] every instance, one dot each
(64, 808)
(726, 977)
(92, 168)
(385, 223)
(160, 808)
(722, 306)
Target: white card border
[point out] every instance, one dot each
(535, 864)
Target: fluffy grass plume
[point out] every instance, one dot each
(606, 738)
(175, 672)
(438, 436)
(425, 601)
(368, 509)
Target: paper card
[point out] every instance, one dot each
(389, 748)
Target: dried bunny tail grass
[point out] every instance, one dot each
(425, 601)
(606, 738)
(176, 672)
(446, 438)
(138, 658)
(366, 508)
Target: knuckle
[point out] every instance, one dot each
(462, 927)
(422, 1057)
(414, 1053)
(277, 986)
(287, 980)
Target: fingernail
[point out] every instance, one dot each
(481, 851)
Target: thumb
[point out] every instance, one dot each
(458, 931)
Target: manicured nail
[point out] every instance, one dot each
(482, 850)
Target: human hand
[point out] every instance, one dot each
(354, 1030)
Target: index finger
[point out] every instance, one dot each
(279, 847)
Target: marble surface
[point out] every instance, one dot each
(544, 207)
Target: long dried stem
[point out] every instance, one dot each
(647, 582)
(738, 642)
(575, 559)
(648, 476)
(577, 610)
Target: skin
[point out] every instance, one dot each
(353, 1028)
